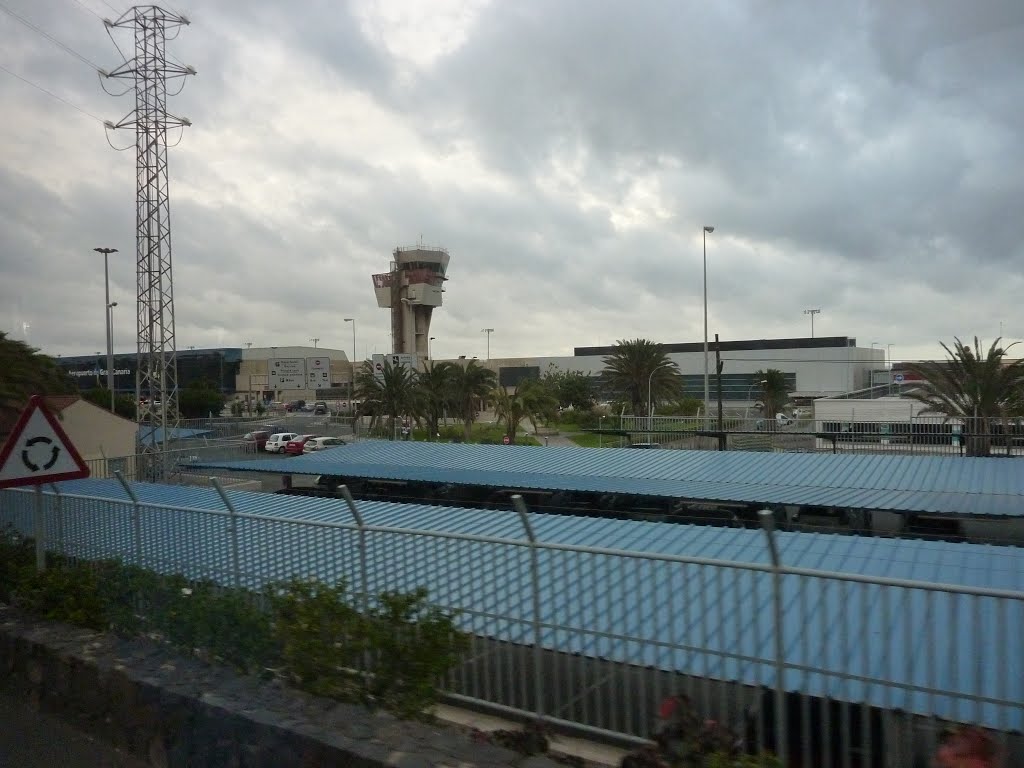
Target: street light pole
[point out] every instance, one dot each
(110, 352)
(750, 391)
(352, 381)
(488, 331)
(707, 390)
(812, 313)
(650, 380)
(110, 341)
(430, 355)
(353, 321)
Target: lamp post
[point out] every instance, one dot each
(750, 391)
(353, 321)
(488, 331)
(352, 380)
(812, 313)
(707, 391)
(430, 355)
(110, 352)
(650, 380)
(110, 341)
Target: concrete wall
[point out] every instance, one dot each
(176, 711)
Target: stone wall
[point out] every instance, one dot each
(173, 710)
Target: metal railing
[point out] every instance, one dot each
(920, 435)
(823, 668)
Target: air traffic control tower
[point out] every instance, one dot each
(411, 290)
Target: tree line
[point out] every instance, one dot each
(979, 387)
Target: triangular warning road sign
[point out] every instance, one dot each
(38, 450)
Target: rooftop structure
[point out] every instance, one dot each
(411, 290)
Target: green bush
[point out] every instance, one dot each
(323, 640)
(311, 633)
(580, 419)
(68, 593)
(415, 644)
(17, 558)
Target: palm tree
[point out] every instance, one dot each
(391, 393)
(540, 399)
(974, 387)
(510, 410)
(471, 384)
(640, 370)
(774, 392)
(434, 388)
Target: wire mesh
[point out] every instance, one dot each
(871, 668)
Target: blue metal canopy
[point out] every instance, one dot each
(898, 647)
(928, 484)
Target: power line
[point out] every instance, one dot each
(52, 94)
(86, 8)
(47, 35)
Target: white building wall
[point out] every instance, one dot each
(822, 371)
(253, 371)
(883, 409)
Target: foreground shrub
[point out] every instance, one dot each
(389, 654)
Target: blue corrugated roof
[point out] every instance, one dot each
(147, 434)
(936, 484)
(714, 622)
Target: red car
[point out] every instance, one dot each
(294, 447)
(254, 441)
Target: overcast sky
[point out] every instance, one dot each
(864, 158)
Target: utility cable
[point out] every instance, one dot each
(52, 94)
(87, 9)
(48, 36)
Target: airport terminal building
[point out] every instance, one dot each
(814, 368)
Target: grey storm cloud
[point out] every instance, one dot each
(860, 157)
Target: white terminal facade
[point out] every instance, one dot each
(814, 368)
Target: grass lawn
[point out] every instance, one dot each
(590, 440)
(481, 433)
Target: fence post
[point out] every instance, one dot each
(40, 532)
(538, 678)
(364, 579)
(60, 517)
(136, 517)
(236, 576)
(767, 518)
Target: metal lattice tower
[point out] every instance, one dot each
(149, 72)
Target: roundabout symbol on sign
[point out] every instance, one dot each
(27, 454)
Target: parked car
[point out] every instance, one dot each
(780, 420)
(322, 444)
(277, 442)
(320, 408)
(294, 446)
(255, 441)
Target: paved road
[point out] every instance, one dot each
(33, 740)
